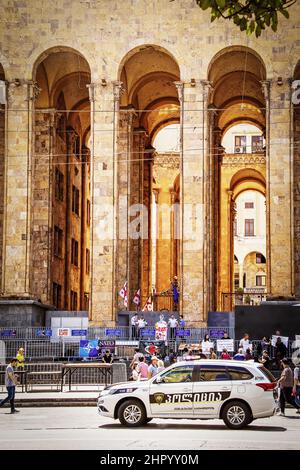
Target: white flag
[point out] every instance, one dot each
(137, 297)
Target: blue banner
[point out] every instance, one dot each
(216, 333)
(8, 333)
(183, 333)
(44, 332)
(112, 332)
(79, 332)
(147, 332)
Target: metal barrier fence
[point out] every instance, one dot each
(41, 350)
(119, 333)
(49, 373)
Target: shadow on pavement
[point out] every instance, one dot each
(204, 427)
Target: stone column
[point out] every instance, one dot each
(17, 203)
(192, 276)
(279, 184)
(136, 198)
(44, 130)
(295, 112)
(146, 261)
(104, 114)
(164, 240)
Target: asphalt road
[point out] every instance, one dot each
(82, 428)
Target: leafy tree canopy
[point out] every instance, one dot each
(249, 15)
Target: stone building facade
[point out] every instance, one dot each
(89, 83)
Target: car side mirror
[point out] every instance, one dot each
(159, 380)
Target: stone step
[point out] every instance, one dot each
(51, 402)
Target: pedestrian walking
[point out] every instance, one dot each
(143, 368)
(153, 368)
(286, 383)
(11, 381)
(280, 351)
(136, 375)
(136, 357)
(296, 387)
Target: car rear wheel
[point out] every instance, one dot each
(236, 415)
(132, 414)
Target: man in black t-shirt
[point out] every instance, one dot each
(107, 358)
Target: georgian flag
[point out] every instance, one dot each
(123, 294)
(148, 307)
(137, 297)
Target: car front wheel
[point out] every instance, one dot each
(236, 415)
(132, 414)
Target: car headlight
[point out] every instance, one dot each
(106, 392)
(123, 390)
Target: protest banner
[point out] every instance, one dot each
(284, 339)
(225, 344)
(206, 346)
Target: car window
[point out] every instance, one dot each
(267, 373)
(239, 373)
(210, 373)
(178, 375)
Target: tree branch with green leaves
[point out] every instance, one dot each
(252, 16)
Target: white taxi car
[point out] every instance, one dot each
(236, 391)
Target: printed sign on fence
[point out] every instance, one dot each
(147, 332)
(106, 345)
(216, 333)
(225, 344)
(112, 332)
(183, 333)
(88, 348)
(161, 331)
(79, 332)
(8, 333)
(43, 332)
(63, 332)
(284, 340)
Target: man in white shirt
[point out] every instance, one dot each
(173, 324)
(245, 343)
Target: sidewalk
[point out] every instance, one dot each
(42, 396)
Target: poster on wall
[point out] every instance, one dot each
(63, 332)
(88, 348)
(284, 340)
(225, 344)
(152, 348)
(161, 329)
(106, 345)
